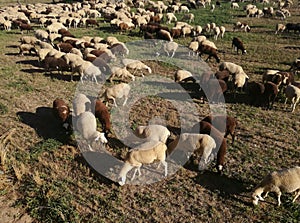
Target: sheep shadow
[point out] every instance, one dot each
(12, 46)
(45, 124)
(34, 63)
(33, 70)
(13, 54)
(225, 185)
(63, 77)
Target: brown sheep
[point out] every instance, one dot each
(101, 112)
(62, 112)
(255, 91)
(212, 52)
(91, 22)
(24, 26)
(270, 93)
(238, 45)
(219, 123)
(222, 75)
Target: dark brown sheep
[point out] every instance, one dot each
(51, 63)
(176, 33)
(255, 91)
(91, 22)
(164, 35)
(225, 124)
(64, 47)
(222, 75)
(238, 45)
(24, 26)
(212, 52)
(65, 32)
(270, 94)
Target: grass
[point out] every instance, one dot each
(46, 176)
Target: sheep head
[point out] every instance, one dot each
(101, 137)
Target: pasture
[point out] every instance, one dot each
(44, 177)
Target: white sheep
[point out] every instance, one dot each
(186, 31)
(201, 144)
(136, 65)
(193, 46)
(41, 34)
(122, 73)
(86, 125)
(292, 93)
(180, 75)
(234, 5)
(200, 38)
(145, 153)
(217, 32)
(117, 91)
(87, 69)
(81, 104)
(169, 47)
(287, 180)
(190, 17)
(28, 39)
(53, 36)
(184, 9)
(153, 133)
(44, 45)
(239, 79)
(280, 28)
(198, 30)
(222, 30)
(7, 25)
(42, 53)
(170, 17)
(24, 47)
(231, 67)
(208, 43)
(54, 27)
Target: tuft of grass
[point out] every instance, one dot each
(48, 145)
(3, 109)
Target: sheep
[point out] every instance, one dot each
(270, 93)
(231, 67)
(164, 35)
(29, 40)
(199, 39)
(175, 33)
(170, 17)
(53, 36)
(117, 91)
(136, 65)
(211, 51)
(292, 93)
(7, 25)
(65, 33)
(215, 90)
(26, 27)
(87, 69)
(217, 32)
(81, 104)
(44, 45)
(189, 17)
(120, 73)
(219, 123)
(42, 53)
(101, 112)
(55, 63)
(86, 125)
(207, 128)
(286, 180)
(240, 80)
(193, 46)
(183, 76)
(222, 75)
(184, 9)
(222, 31)
(153, 133)
(241, 26)
(64, 47)
(145, 153)
(267, 75)
(62, 112)
(119, 49)
(234, 5)
(238, 45)
(27, 48)
(169, 47)
(280, 14)
(198, 30)
(201, 145)
(255, 91)
(280, 28)
(55, 27)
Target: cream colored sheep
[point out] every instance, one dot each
(292, 93)
(24, 47)
(222, 30)
(198, 30)
(122, 73)
(231, 67)
(287, 180)
(186, 31)
(180, 75)
(193, 46)
(279, 28)
(208, 43)
(184, 9)
(28, 39)
(7, 25)
(44, 45)
(217, 32)
(42, 53)
(169, 47)
(115, 92)
(153, 133)
(136, 65)
(189, 17)
(53, 36)
(170, 17)
(200, 144)
(41, 34)
(86, 125)
(81, 104)
(145, 153)
(200, 38)
(54, 27)
(234, 5)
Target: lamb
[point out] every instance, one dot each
(117, 91)
(27, 48)
(279, 28)
(101, 112)
(81, 104)
(86, 125)
(183, 76)
(292, 93)
(145, 153)
(238, 45)
(219, 123)
(286, 180)
(201, 145)
(62, 112)
(120, 73)
(153, 133)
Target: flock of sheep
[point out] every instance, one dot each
(58, 49)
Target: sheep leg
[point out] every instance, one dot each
(296, 196)
(173, 54)
(124, 103)
(114, 100)
(134, 173)
(166, 167)
(278, 192)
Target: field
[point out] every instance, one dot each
(45, 178)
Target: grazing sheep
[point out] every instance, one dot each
(231, 67)
(117, 91)
(279, 28)
(238, 45)
(234, 5)
(267, 75)
(286, 180)
(169, 47)
(26, 27)
(219, 123)
(119, 49)
(41, 34)
(59, 64)
(189, 17)
(222, 75)
(145, 153)
(153, 133)
(122, 73)
(136, 65)
(201, 145)
(86, 125)
(62, 111)
(28, 40)
(214, 94)
(27, 48)
(81, 104)
(222, 30)
(164, 35)
(255, 91)
(183, 76)
(101, 112)
(292, 93)
(170, 17)
(207, 128)
(212, 52)
(193, 46)
(270, 94)
(216, 32)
